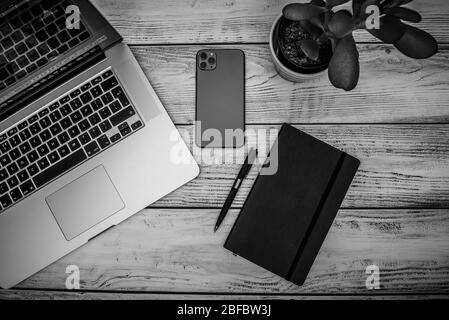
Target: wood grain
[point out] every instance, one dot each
(402, 166)
(392, 88)
(175, 250)
(244, 21)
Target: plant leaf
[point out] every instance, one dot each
(404, 14)
(311, 29)
(323, 38)
(344, 67)
(416, 43)
(301, 11)
(334, 3)
(356, 7)
(320, 3)
(340, 24)
(391, 29)
(393, 3)
(310, 48)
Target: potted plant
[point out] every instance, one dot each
(309, 38)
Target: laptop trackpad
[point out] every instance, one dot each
(85, 202)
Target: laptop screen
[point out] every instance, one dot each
(33, 34)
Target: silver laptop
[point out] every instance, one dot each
(84, 141)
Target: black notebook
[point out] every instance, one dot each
(287, 215)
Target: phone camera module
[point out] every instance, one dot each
(207, 60)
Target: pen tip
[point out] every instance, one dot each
(216, 228)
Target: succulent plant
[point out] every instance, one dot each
(323, 24)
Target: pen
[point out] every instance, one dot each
(247, 165)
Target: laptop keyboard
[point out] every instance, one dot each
(32, 35)
(64, 134)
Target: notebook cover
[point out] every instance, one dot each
(286, 216)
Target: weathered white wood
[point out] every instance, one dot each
(176, 250)
(206, 21)
(392, 88)
(402, 166)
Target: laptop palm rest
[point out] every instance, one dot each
(85, 202)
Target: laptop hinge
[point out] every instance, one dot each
(52, 81)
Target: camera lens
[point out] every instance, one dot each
(211, 60)
(203, 55)
(203, 65)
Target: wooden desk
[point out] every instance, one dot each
(396, 214)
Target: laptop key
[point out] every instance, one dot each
(41, 62)
(53, 144)
(66, 110)
(59, 168)
(56, 129)
(43, 150)
(66, 123)
(3, 188)
(4, 161)
(109, 84)
(74, 145)
(96, 104)
(136, 125)
(63, 151)
(23, 176)
(15, 154)
(15, 194)
(53, 157)
(116, 137)
(104, 142)
(21, 48)
(27, 188)
(25, 148)
(13, 182)
(63, 138)
(45, 135)
(33, 156)
(85, 138)
(23, 163)
(5, 147)
(123, 115)
(15, 141)
(21, 74)
(5, 201)
(124, 129)
(35, 128)
(115, 106)
(43, 163)
(95, 132)
(107, 74)
(92, 149)
(94, 119)
(105, 126)
(31, 68)
(33, 169)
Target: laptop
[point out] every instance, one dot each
(84, 141)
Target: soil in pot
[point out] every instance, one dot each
(290, 33)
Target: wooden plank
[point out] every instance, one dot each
(402, 166)
(76, 295)
(206, 21)
(392, 88)
(176, 250)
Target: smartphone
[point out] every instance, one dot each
(220, 98)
